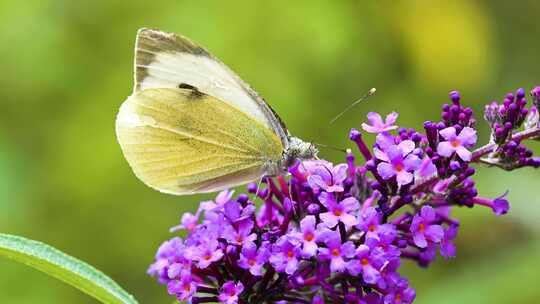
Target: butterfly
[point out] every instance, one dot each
(192, 125)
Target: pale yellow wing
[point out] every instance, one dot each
(182, 141)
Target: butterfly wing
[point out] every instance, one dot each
(168, 60)
(182, 141)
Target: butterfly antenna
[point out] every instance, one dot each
(369, 93)
(331, 147)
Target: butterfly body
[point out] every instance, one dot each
(191, 125)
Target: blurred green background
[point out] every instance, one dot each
(66, 66)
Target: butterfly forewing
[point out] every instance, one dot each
(183, 141)
(167, 60)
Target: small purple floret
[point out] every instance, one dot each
(338, 212)
(457, 143)
(377, 125)
(230, 291)
(424, 230)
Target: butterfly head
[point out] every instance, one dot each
(298, 150)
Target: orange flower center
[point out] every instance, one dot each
(364, 262)
(422, 227)
(455, 143)
(372, 228)
(309, 237)
(337, 212)
(290, 253)
(335, 252)
(399, 167)
(251, 262)
(208, 257)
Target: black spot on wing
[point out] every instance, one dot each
(194, 93)
(187, 86)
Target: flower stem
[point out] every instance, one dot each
(482, 151)
(486, 149)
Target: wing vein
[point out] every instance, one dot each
(153, 67)
(200, 138)
(203, 158)
(206, 170)
(239, 140)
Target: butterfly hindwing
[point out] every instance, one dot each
(182, 141)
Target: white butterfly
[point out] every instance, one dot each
(192, 125)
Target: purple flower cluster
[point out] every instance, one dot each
(507, 116)
(504, 119)
(339, 233)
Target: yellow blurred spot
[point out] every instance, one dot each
(448, 42)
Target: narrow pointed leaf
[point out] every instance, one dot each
(64, 267)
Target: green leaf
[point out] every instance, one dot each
(64, 267)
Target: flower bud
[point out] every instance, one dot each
(491, 112)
